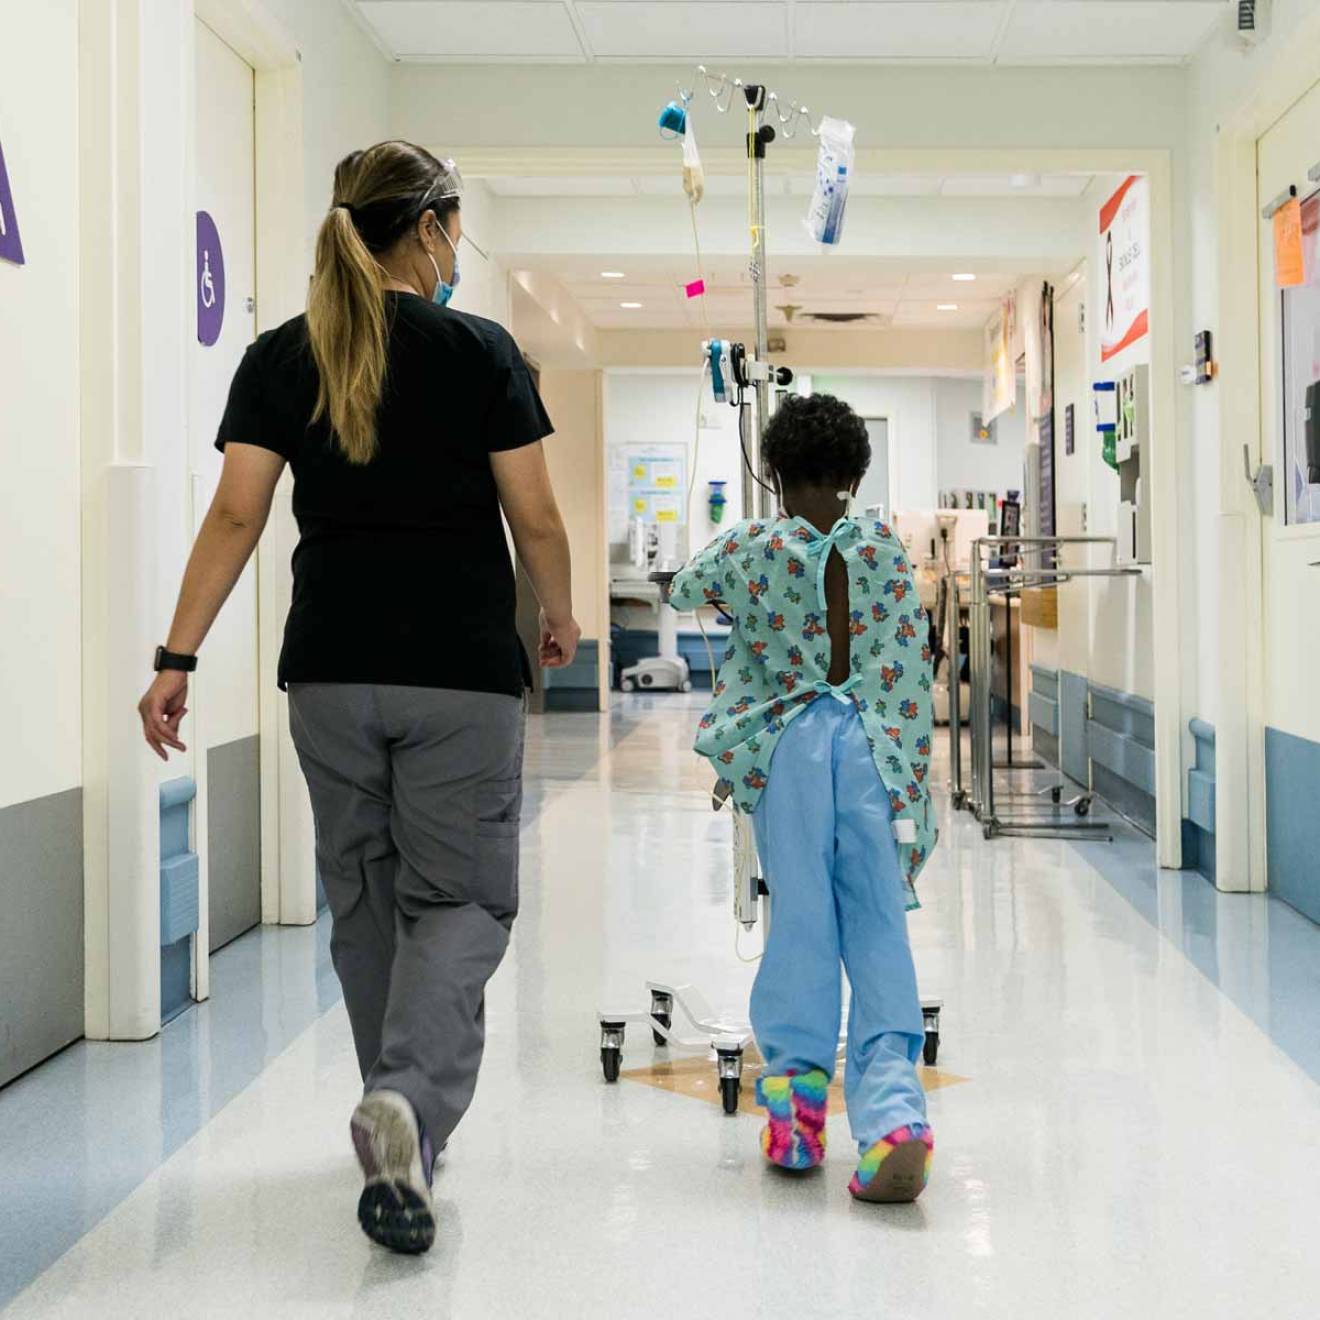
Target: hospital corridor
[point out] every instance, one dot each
(660, 657)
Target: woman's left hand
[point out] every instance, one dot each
(162, 709)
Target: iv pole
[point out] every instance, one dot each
(759, 135)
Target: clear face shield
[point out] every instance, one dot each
(449, 187)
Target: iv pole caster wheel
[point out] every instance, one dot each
(730, 1066)
(988, 831)
(930, 1050)
(1083, 806)
(611, 1049)
(1056, 794)
(662, 1010)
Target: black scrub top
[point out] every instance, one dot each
(402, 572)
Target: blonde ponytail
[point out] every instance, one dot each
(380, 194)
(348, 332)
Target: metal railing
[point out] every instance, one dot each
(987, 580)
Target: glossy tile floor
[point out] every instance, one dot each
(1138, 1133)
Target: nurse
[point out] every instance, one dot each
(410, 428)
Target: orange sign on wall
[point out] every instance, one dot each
(1289, 257)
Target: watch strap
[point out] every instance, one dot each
(173, 660)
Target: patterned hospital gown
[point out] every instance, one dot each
(770, 576)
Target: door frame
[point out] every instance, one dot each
(1240, 821)
(889, 421)
(288, 866)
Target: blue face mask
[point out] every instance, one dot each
(444, 290)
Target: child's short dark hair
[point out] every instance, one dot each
(816, 441)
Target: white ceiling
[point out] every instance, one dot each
(947, 31)
(894, 291)
(799, 184)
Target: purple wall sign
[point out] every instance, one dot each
(11, 246)
(210, 280)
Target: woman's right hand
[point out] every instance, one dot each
(559, 642)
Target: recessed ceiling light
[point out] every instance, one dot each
(611, 274)
(964, 278)
(1024, 180)
(946, 307)
(630, 305)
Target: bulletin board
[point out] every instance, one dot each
(647, 482)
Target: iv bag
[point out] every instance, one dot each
(834, 161)
(694, 178)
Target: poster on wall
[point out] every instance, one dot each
(1000, 388)
(1125, 267)
(11, 245)
(647, 482)
(1045, 515)
(210, 281)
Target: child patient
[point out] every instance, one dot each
(821, 728)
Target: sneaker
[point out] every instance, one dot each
(794, 1136)
(897, 1167)
(397, 1160)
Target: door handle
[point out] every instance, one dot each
(1261, 481)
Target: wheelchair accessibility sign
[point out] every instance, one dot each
(210, 280)
(11, 246)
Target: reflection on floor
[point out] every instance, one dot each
(1140, 1135)
(697, 1079)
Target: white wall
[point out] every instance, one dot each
(484, 287)
(346, 82)
(961, 463)
(41, 696)
(1220, 79)
(616, 105)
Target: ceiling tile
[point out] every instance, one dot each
(472, 29)
(715, 29)
(1108, 29)
(904, 29)
(944, 288)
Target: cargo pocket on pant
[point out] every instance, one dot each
(499, 818)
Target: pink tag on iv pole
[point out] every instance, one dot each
(695, 289)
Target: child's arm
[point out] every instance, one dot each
(700, 580)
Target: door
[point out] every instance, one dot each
(229, 780)
(873, 493)
(1290, 533)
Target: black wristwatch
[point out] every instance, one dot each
(172, 660)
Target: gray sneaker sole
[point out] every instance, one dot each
(395, 1208)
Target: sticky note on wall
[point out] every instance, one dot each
(1289, 258)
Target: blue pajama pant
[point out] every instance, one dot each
(823, 831)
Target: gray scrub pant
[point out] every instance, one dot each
(416, 794)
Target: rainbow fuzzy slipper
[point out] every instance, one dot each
(897, 1167)
(794, 1137)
